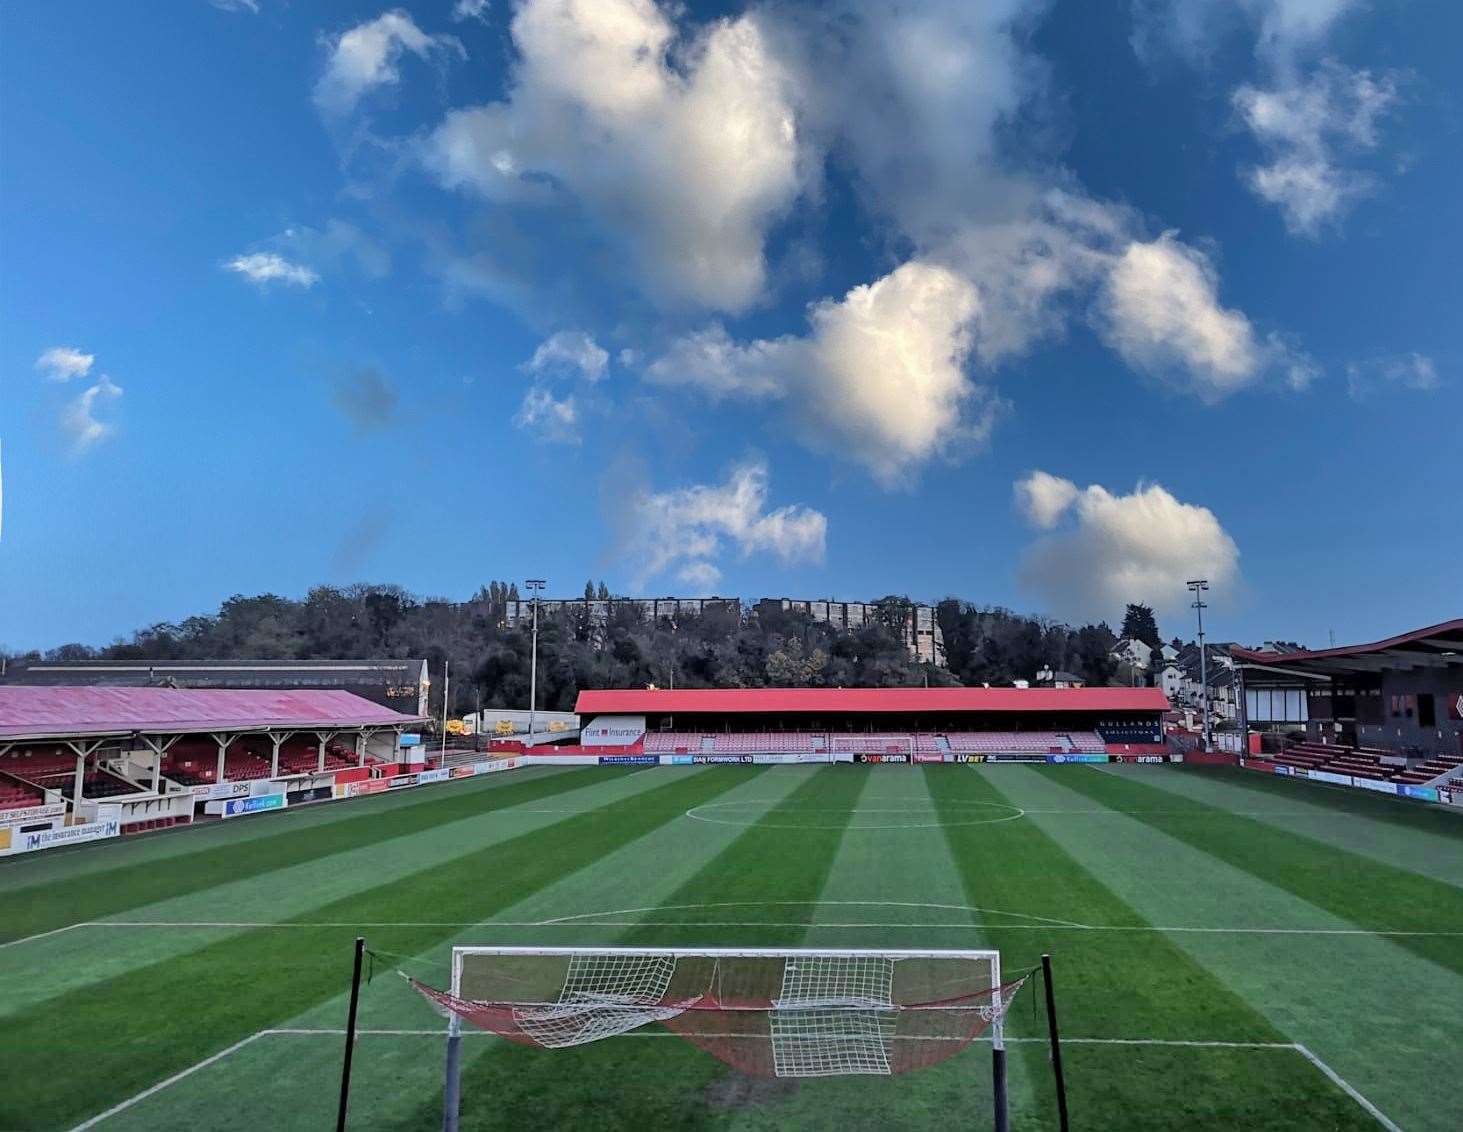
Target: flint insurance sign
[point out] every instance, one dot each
(613, 731)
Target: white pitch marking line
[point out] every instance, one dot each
(1346, 1087)
(1137, 928)
(174, 1079)
(46, 935)
(1330, 1074)
(809, 904)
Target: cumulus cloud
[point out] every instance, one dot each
(688, 528)
(62, 363)
(879, 377)
(367, 399)
(1303, 127)
(548, 418)
(470, 10)
(683, 153)
(264, 268)
(1043, 498)
(1309, 116)
(1159, 309)
(1123, 548)
(369, 56)
(570, 353)
(79, 418)
(1410, 371)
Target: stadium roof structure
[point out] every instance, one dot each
(832, 701)
(48, 712)
(1437, 646)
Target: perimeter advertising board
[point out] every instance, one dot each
(613, 731)
(27, 814)
(54, 838)
(868, 758)
(712, 759)
(260, 803)
(215, 790)
(628, 760)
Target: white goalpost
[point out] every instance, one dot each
(767, 1012)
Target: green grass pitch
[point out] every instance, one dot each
(1231, 951)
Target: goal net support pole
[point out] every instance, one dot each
(764, 1011)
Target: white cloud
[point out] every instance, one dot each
(1043, 498)
(338, 243)
(879, 378)
(688, 528)
(700, 575)
(683, 153)
(368, 56)
(264, 268)
(1123, 548)
(1307, 116)
(1411, 371)
(570, 353)
(712, 361)
(470, 10)
(62, 363)
(1303, 126)
(79, 418)
(1159, 309)
(250, 6)
(548, 418)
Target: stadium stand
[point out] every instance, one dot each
(1429, 769)
(922, 742)
(15, 794)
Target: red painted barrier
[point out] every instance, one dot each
(355, 774)
(1211, 758)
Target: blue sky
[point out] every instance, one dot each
(1048, 305)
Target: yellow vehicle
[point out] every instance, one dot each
(504, 727)
(458, 727)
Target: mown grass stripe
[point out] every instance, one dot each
(1378, 1014)
(509, 1086)
(136, 1029)
(1109, 986)
(57, 902)
(1412, 815)
(184, 841)
(1374, 896)
(1305, 809)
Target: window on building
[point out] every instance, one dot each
(1427, 713)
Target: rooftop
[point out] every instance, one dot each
(50, 712)
(1436, 646)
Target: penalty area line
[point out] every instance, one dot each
(252, 925)
(335, 1032)
(167, 1082)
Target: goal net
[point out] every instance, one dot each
(766, 1012)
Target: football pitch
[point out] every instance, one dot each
(1230, 950)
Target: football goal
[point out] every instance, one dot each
(767, 1012)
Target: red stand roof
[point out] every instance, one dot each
(41, 711)
(832, 701)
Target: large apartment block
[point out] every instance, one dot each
(920, 629)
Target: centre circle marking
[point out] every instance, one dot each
(761, 809)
